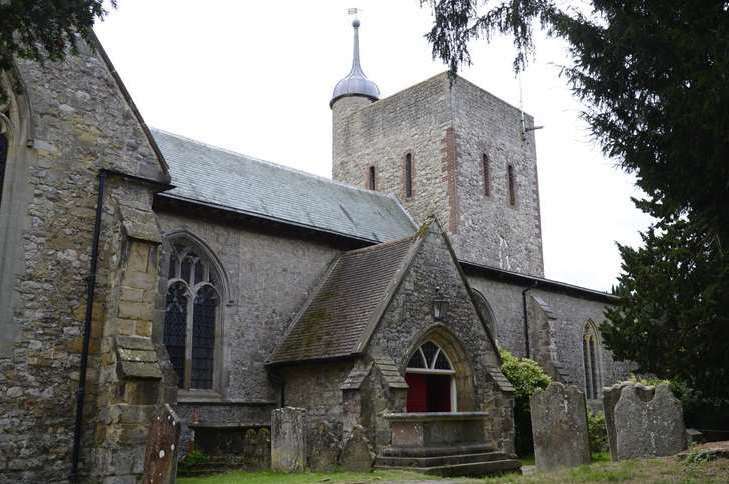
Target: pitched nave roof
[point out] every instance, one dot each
(239, 183)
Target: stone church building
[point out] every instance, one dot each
(154, 269)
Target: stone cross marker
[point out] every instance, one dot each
(648, 423)
(288, 439)
(559, 426)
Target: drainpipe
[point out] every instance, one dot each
(526, 320)
(90, 288)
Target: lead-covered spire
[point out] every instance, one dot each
(355, 83)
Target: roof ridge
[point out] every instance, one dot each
(271, 163)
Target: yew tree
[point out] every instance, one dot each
(45, 29)
(653, 77)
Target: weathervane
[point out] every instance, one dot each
(354, 12)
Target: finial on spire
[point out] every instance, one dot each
(356, 83)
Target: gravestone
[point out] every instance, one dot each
(610, 397)
(160, 457)
(323, 446)
(559, 427)
(357, 455)
(648, 424)
(288, 439)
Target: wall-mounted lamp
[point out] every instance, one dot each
(440, 306)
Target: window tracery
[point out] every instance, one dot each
(192, 315)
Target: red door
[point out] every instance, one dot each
(417, 393)
(428, 393)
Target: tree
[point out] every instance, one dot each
(654, 79)
(45, 29)
(672, 315)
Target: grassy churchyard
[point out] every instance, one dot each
(694, 469)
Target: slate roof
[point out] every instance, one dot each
(231, 181)
(350, 299)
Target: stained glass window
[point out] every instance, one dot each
(192, 316)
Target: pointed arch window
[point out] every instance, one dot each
(430, 377)
(192, 316)
(591, 362)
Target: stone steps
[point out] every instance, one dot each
(472, 469)
(435, 451)
(441, 460)
(469, 460)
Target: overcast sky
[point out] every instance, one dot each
(256, 78)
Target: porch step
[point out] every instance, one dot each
(435, 451)
(472, 469)
(441, 460)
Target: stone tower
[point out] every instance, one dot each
(449, 148)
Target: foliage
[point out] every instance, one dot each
(193, 458)
(672, 318)
(44, 29)
(597, 432)
(524, 374)
(527, 377)
(270, 477)
(652, 75)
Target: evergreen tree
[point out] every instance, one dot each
(654, 79)
(45, 29)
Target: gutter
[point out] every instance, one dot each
(90, 289)
(90, 293)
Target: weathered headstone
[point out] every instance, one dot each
(323, 446)
(357, 455)
(559, 426)
(160, 457)
(288, 439)
(610, 397)
(648, 425)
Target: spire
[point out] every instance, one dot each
(355, 83)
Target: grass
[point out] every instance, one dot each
(268, 477)
(664, 470)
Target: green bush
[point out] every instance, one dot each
(597, 432)
(527, 377)
(191, 459)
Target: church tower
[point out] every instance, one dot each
(447, 148)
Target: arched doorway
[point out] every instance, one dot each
(431, 380)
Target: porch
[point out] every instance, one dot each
(443, 443)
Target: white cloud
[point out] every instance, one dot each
(256, 77)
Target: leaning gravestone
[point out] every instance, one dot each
(288, 439)
(559, 426)
(610, 397)
(357, 455)
(323, 446)
(648, 425)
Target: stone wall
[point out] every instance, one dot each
(560, 335)
(380, 134)
(268, 278)
(489, 229)
(408, 322)
(447, 129)
(77, 121)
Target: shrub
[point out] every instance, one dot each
(192, 459)
(597, 432)
(527, 377)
